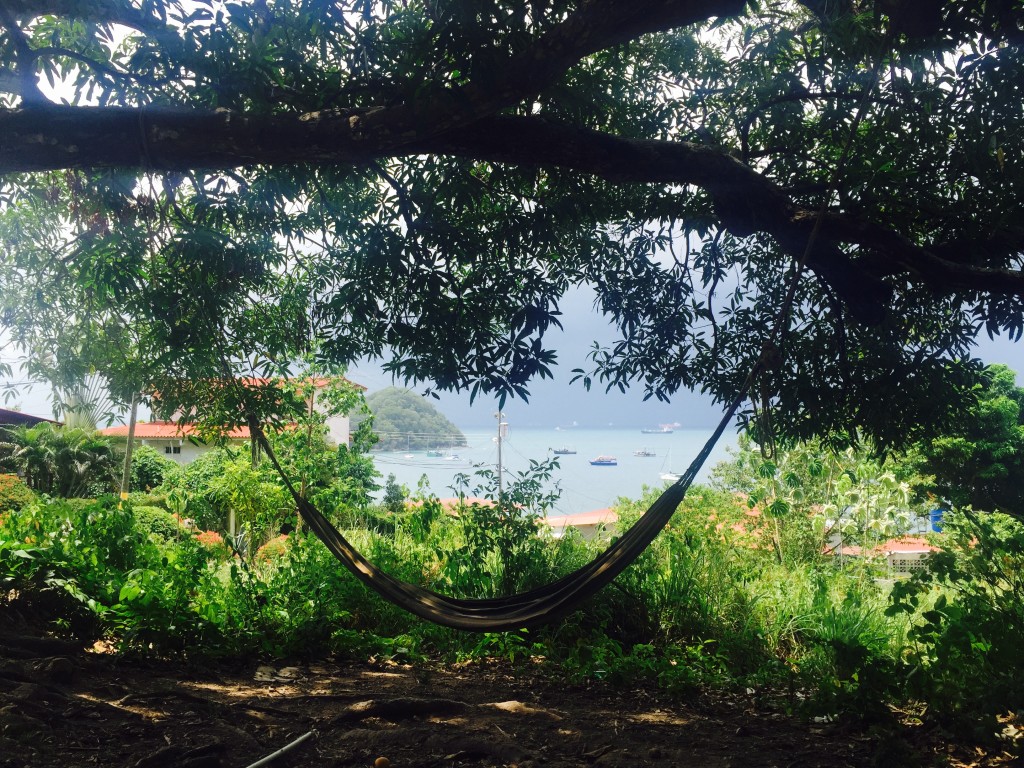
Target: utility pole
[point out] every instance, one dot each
(502, 433)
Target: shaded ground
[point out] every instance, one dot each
(61, 707)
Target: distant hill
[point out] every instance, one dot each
(405, 421)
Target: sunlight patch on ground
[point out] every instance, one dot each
(154, 715)
(659, 717)
(518, 708)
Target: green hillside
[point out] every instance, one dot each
(406, 421)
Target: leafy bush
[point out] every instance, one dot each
(149, 468)
(501, 551)
(214, 545)
(14, 494)
(159, 500)
(158, 521)
(969, 623)
(394, 496)
(273, 550)
(193, 482)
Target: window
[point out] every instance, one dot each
(167, 449)
(176, 449)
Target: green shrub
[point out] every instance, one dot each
(158, 521)
(214, 545)
(194, 482)
(14, 494)
(149, 468)
(273, 551)
(969, 623)
(154, 499)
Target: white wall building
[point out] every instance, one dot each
(179, 441)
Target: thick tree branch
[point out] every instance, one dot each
(53, 137)
(594, 26)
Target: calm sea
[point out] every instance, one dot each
(584, 487)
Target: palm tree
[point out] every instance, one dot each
(85, 403)
(60, 461)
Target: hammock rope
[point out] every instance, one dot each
(526, 609)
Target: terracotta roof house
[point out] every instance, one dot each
(903, 555)
(178, 440)
(591, 525)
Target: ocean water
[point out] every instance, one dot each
(584, 487)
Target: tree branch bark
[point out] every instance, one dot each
(57, 137)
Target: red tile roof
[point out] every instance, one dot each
(167, 430)
(904, 544)
(907, 544)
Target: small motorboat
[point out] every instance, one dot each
(564, 451)
(604, 461)
(434, 454)
(644, 453)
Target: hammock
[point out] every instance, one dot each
(527, 609)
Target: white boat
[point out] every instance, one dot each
(644, 453)
(604, 461)
(663, 429)
(666, 473)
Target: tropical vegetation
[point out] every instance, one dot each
(807, 207)
(742, 591)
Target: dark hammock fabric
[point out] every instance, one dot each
(527, 609)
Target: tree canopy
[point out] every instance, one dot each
(189, 186)
(981, 462)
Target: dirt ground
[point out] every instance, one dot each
(61, 706)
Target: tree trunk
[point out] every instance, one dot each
(126, 473)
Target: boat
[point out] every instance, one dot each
(644, 453)
(452, 457)
(604, 461)
(434, 454)
(663, 429)
(564, 451)
(666, 473)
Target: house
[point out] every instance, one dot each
(904, 555)
(591, 525)
(178, 440)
